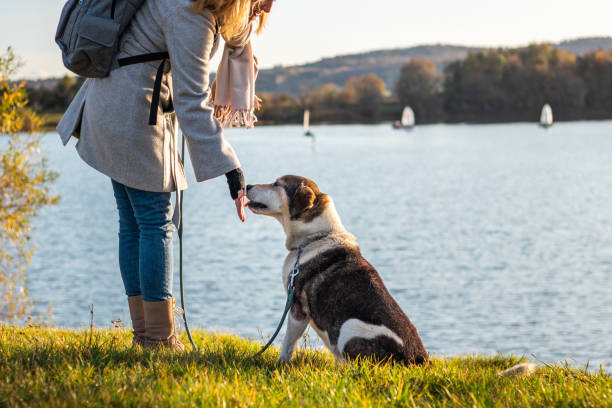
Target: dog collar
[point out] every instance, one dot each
(296, 267)
(312, 239)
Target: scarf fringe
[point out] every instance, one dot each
(229, 117)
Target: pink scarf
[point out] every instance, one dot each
(233, 91)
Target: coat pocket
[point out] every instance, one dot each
(96, 45)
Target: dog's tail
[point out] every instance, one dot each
(518, 370)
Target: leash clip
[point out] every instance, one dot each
(296, 269)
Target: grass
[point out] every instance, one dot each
(53, 367)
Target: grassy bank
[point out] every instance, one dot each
(50, 121)
(50, 367)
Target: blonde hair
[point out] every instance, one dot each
(233, 15)
(263, 19)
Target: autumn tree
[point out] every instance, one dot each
(24, 189)
(330, 103)
(369, 91)
(420, 86)
(278, 108)
(595, 69)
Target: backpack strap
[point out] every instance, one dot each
(139, 59)
(113, 7)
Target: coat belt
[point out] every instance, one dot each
(139, 59)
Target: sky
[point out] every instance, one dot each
(303, 31)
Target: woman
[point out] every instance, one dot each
(111, 119)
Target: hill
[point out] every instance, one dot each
(583, 45)
(385, 64)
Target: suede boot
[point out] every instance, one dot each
(138, 319)
(159, 325)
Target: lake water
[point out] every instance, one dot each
(492, 238)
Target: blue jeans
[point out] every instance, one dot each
(145, 242)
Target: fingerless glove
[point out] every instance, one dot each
(235, 181)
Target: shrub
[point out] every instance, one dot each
(24, 189)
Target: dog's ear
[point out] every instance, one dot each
(302, 200)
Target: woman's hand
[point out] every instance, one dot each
(235, 181)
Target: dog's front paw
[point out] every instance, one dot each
(284, 359)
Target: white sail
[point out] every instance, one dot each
(306, 121)
(546, 117)
(407, 117)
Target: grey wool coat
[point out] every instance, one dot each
(110, 115)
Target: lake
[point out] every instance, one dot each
(492, 238)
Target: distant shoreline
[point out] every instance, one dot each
(50, 125)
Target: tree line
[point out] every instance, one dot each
(495, 85)
(512, 85)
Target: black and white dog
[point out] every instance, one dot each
(337, 291)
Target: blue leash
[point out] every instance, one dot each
(180, 235)
(291, 287)
(290, 294)
(287, 307)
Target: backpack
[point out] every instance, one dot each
(89, 31)
(88, 34)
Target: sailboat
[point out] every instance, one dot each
(546, 117)
(407, 121)
(307, 131)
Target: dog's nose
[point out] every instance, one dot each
(248, 187)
